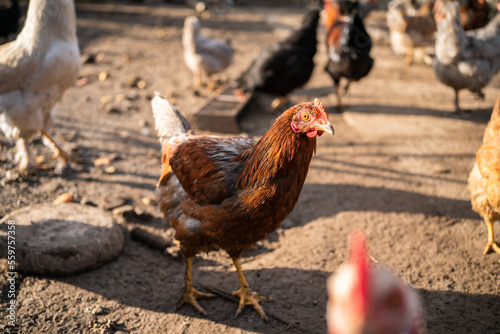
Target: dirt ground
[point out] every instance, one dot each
(397, 167)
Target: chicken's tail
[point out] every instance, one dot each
(169, 122)
(171, 127)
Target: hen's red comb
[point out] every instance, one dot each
(359, 259)
(319, 106)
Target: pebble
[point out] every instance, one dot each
(63, 198)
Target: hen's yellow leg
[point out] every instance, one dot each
(197, 79)
(60, 153)
(23, 157)
(247, 296)
(409, 56)
(492, 245)
(338, 96)
(189, 293)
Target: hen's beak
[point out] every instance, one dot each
(325, 126)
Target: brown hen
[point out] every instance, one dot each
(411, 28)
(231, 192)
(474, 14)
(484, 179)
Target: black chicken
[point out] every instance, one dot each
(348, 44)
(9, 19)
(284, 66)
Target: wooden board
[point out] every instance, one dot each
(221, 113)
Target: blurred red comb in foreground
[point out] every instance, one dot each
(360, 260)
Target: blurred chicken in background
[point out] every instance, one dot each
(474, 14)
(411, 28)
(283, 66)
(367, 299)
(35, 71)
(348, 44)
(9, 19)
(465, 60)
(204, 56)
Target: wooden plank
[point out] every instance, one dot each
(221, 113)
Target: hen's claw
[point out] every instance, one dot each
(189, 295)
(249, 297)
(59, 152)
(492, 246)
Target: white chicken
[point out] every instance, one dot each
(364, 299)
(35, 71)
(465, 60)
(204, 55)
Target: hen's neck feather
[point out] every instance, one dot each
(276, 153)
(48, 21)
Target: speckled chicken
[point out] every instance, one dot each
(411, 28)
(484, 179)
(203, 55)
(231, 192)
(364, 298)
(465, 60)
(35, 71)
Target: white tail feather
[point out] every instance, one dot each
(168, 120)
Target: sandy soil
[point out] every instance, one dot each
(397, 167)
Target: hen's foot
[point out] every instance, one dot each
(64, 156)
(427, 60)
(249, 297)
(492, 246)
(59, 152)
(189, 295)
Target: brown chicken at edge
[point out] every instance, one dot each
(484, 179)
(231, 192)
(474, 14)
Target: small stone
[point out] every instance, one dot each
(112, 109)
(82, 82)
(110, 170)
(102, 161)
(86, 201)
(100, 57)
(103, 75)
(161, 32)
(120, 97)
(141, 84)
(111, 202)
(106, 99)
(39, 160)
(125, 211)
(63, 198)
(149, 201)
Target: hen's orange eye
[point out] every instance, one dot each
(305, 117)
